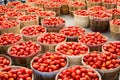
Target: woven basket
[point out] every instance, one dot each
(42, 17)
(4, 48)
(73, 60)
(45, 75)
(73, 8)
(22, 61)
(118, 6)
(91, 4)
(109, 5)
(82, 21)
(115, 35)
(99, 76)
(80, 0)
(99, 24)
(55, 9)
(114, 28)
(95, 47)
(106, 74)
(28, 23)
(54, 28)
(7, 57)
(31, 3)
(64, 9)
(48, 47)
(31, 37)
(18, 67)
(15, 29)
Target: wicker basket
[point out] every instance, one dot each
(7, 57)
(30, 3)
(115, 35)
(118, 6)
(106, 74)
(18, 67)
(82, 21)
(91, 4)
(73, 60)
(45, 75)
(48, 47)
(99, 76)
(4, 48)
(73, 8)
(114, 28)
(42, 17)
(108, 44)
(99, 24)
(28, 23)
(14, 17)
(109, 5)
(64, 9)
(15, 29)
(22, 61)
(55, 9)
(80, 0)
(97, 47)
(54, 28)
(31, 37)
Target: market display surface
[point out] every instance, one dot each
(60, 40)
